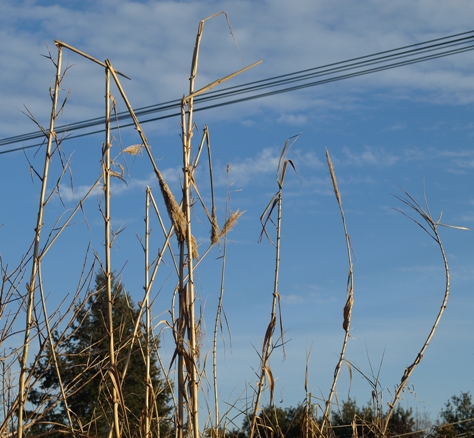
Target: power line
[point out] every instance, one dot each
(385, 60)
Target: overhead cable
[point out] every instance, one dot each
(385, 60)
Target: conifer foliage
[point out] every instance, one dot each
(83, 360)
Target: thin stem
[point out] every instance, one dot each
(147, 320)
(108, 261)
(53, 354)
(219, 305)
(349, 297)
(182, 303)
(188, 289)
(60, 44)
(267, 348)
(22, 393)
(268, 341)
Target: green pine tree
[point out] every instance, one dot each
(368, 425)
(83, 361)
(275, 422)
(456, 419)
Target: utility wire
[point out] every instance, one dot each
(385, 60)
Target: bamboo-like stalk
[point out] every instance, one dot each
(85, 55)
(268, 341)
(175, 213)
(181, 222)
(180, 347)
(148, 388)
(187, 264)
(349, 297)
(22, 395)
(108, 262)
(432, 229)
(268, 346)
(186, 290)
(149, 284)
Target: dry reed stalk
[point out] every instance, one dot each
(431, 228)
(276, 201)
(186, 319)
(220, 81)
(9, 293)
(148, 329)
(166, 234)
(212, 217)
(36, 416)
(187, 134)
(107, 173)
(309, 422)
(187, 295)
(22, 394)
(60, 44)
(175, 324)
(106, 163)
(186, 291)
(347, 312)
(50, 338)
(79, 205)
(175, 213)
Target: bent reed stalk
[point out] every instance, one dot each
(431, 228)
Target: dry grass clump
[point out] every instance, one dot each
(230, 223)
(134, 149)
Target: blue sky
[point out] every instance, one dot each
(410, 126)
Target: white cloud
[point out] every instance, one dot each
(152, 42)
(293, 119)
(69, 194)
(461, 159)
(467, 218)
(251, 169)
(120, 187)
(306, 159)
(369, 156)
(397, 127)
(292, 299)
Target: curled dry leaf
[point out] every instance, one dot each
(271, 382)
(347, 312)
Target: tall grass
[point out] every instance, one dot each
(187, 383)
